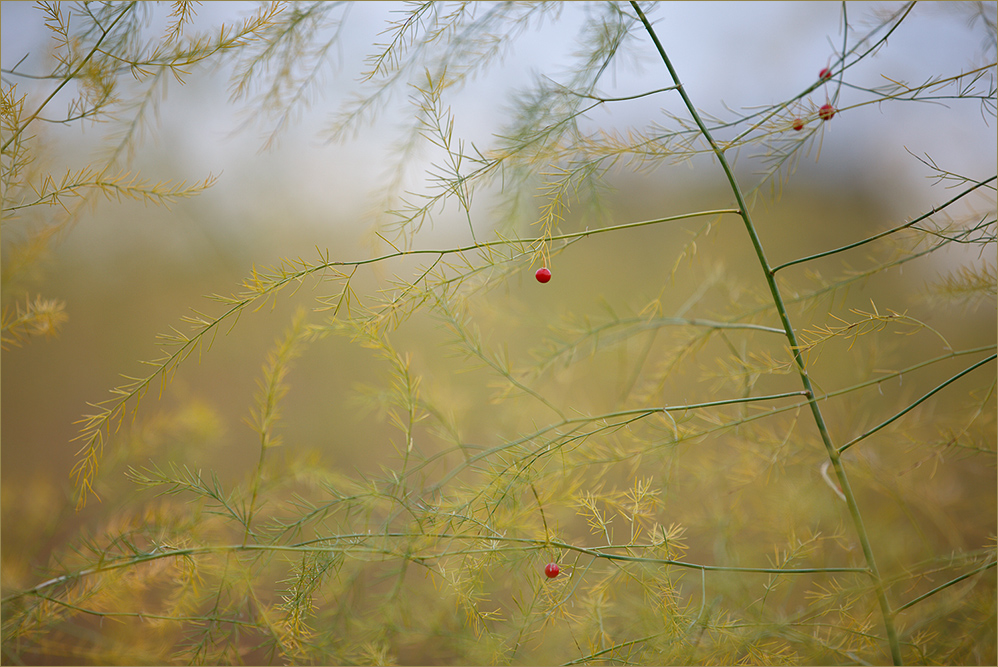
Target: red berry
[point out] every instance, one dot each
(825, 74)
(551, 569)
(543, 275)
(798, 124)
(826, 112)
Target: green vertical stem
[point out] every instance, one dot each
(819, 419)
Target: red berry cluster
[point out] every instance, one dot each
(826, 111)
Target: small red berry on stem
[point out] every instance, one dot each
(543, 275)
(825, 74)
(826, 112)
(798, 124)
(552, 570)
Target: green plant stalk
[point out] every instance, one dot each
(819, 419)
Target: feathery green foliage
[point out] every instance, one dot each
(733, 460)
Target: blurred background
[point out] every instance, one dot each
(129, 271)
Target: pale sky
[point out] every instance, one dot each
(741, 54)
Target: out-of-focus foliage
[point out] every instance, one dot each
(736, 451)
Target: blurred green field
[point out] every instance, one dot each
(917, 501)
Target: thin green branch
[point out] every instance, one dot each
(942, 587)
(912, 406)
(588, 659)
(627, 416)
(145, 616)
(69, 77)
(892, 230)
(355, 542)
